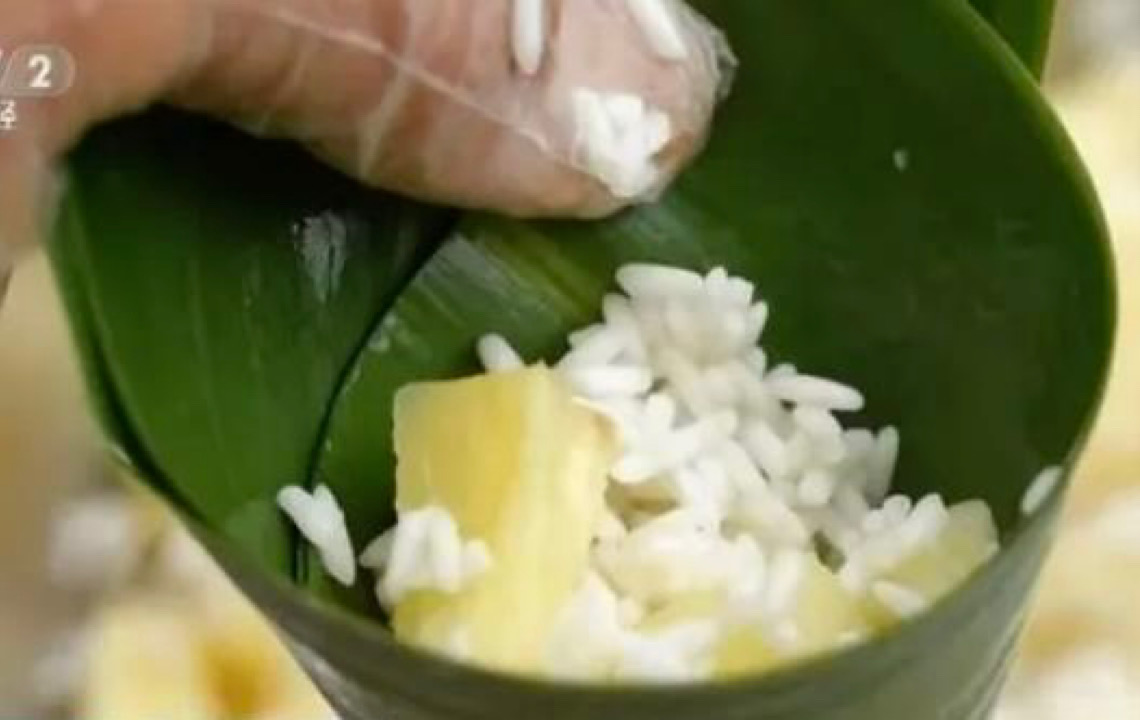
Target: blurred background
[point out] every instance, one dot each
(133, 623)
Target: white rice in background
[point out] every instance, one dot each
(94, 543)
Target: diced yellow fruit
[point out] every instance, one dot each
(521, 466)
(742, 650)
(969, 539)
(746, 651)
(246, 661)
(295, 699)
(967, 542)
(146, 663)
(826, 617)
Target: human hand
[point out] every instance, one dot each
(535, 108)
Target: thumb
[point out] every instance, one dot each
(124, 52)
(528, 107)
(531, 107)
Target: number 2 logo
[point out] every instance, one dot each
(37, 71)
(40, 66)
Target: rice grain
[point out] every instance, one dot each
(609, 381)
(528, 34)
(658, 282)
(660, 28)
(320, 521)
(902, 601)
(816, 392)
(497, 355)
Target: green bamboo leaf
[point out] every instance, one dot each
(1025, 24)
(862, 184)
(953, 265)
(950, 664)
(218, 289)
(888, 174)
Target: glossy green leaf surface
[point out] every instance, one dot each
(895, 250)
(223, 303)
(887, 174)
(1025, 25)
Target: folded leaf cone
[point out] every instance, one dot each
(887, 173)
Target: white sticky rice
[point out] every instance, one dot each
(733, 475)
(320, 520)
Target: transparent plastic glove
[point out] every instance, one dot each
(556, 107)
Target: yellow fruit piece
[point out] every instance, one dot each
(828, 616)
(295, 699)
(146, 663)
(246, 662)
(746, 651)
(825, 618)
(521, 466)
(968, 540)
(743, 650)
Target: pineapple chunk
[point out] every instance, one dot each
(521, 466)
(967, 541)
(745, 651)
(246, 663)
(825, 617)
(147, 663)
